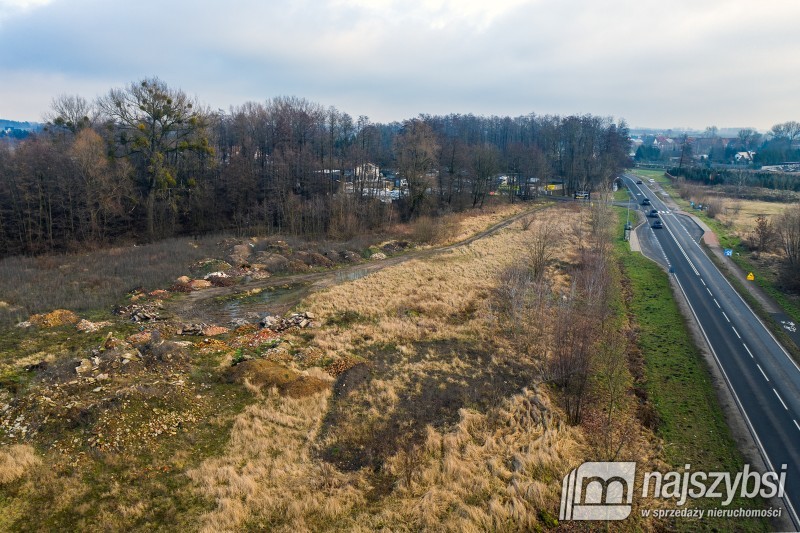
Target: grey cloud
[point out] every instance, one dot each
(656, 63)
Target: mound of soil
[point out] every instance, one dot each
(267, 374)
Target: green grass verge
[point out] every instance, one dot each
(647, 174)
(621, 195)
(679, 386)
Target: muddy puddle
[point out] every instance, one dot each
(351, 275)
(249, 305)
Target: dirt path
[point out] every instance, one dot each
(222, 305)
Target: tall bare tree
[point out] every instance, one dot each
(788, 229)
(153, 124)
(72, 112)
(416, 151)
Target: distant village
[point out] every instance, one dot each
(745, 148)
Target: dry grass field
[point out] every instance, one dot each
(737, 214)
(417, 401)
(436, 422)
(741, 215)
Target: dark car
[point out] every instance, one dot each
(653, 213)
(638, 182)
(646, 201)
(657, 225)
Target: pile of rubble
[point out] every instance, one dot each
(63, 317)
(202, 329)
(278, 324)
(87, 326)
(140, 312)
(59, 317)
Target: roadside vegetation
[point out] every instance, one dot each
(751, 229)
(676, 382)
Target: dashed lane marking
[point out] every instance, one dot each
(781, 399)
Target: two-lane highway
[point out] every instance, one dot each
(762, 377)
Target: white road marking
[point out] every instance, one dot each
(796, 424)
(719, 306)
(737, 333)
(678, 244)
(703, 282)
(781, 399)
(723, 314)
(709, 292)
(748, 351)
(762, 372)
(759, 444)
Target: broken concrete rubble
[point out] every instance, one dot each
(278, 324)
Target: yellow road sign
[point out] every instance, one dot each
(551, 187)
(750, 277)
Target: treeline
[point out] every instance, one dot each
(147, 161)
(779, 181)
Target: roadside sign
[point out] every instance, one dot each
(750, 277)
(729, 252)
(551, 187)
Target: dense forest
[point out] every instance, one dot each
(147, 161)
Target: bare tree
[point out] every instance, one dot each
(788, 230)
(541, 248)
(484, 168)
(763, 233)
(787, 130)
(105, 185)
(153, 124)
(72, 112)
(570, 361)
(416, 151)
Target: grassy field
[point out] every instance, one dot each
(401, 408)
(407, 405)
(415, 430)
(678, 383)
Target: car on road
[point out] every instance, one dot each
(653, 213)
(638, 182)
(657, 224)
(651, 180)
(646, 201)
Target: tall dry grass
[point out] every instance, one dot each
(268, 477)
(16, 461)
(443, 297)
(492, 468)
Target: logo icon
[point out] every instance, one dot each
(598, 491)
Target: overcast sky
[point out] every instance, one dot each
(683, 63)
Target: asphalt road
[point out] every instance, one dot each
(762, 377)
